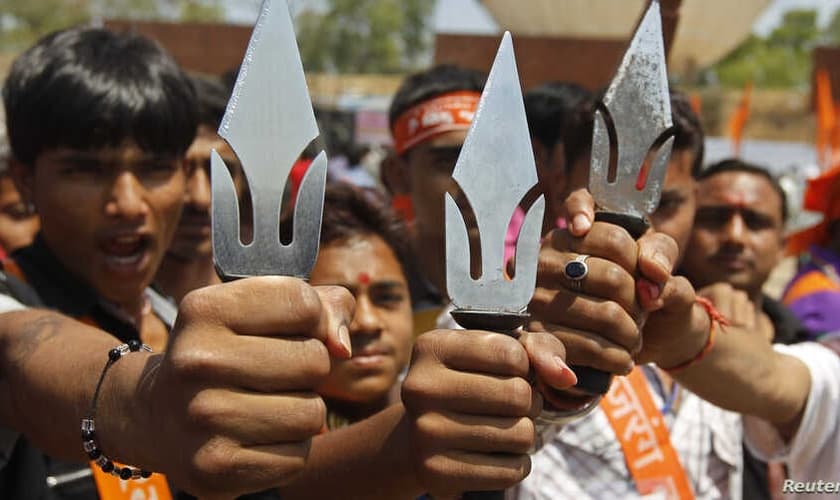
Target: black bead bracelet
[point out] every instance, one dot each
(89, 441)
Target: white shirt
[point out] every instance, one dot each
(813, 454)
(584, 461)
(8, 437)
(9, 304)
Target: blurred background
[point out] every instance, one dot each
(764, 74)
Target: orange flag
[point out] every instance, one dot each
(739, 118)
(827, 141)
(696, 103)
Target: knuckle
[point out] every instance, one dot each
(305, 299)
(313, 413)
(519, 396)
(616, 239)
(317, 365)
(525, 435)
(193, 362)
(203, 410)
(429, 426)
(518, 469)
(196, 305)
(615, 277)
(415, 391)
(212, 463)
(612, 313)
(510, 354)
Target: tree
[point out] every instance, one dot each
(198, 11)
(24, 21)
(782, 59)
(365, 36)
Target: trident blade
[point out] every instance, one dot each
(495, 170)
(639, 105)
(268, 123)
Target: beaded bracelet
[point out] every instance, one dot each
(715, 318)
(89, 442)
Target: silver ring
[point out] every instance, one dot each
(576, 271)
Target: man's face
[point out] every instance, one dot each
(737, 236)
(17, 224)
(675, 213)
(428, 168)
(381, 329)
(108, 215)
(192, 238)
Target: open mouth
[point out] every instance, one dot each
(126, 252)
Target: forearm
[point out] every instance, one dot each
(742, 373)
(50, 366)
(349, 462)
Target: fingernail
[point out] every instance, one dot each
(581, 223)
(566, 371)
(344, 338)
(649, 289)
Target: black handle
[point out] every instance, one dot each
(504, 323)
(591, 380)
(484, 495)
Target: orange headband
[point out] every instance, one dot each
(428, 119)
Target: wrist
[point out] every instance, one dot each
(693, 343)
(124, 410)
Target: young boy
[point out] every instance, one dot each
(364, 248)
(98, 125)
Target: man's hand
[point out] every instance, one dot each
(600, 323)
(470, 406)
(231, 406)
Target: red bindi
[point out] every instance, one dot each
(364, 278)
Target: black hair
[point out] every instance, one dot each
(688, 131)
(211, 98)
(433, 82)
(87, 88)
(354, 211)
(550, 108)
(736, 165)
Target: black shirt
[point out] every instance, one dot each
(58, 289)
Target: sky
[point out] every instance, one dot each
(469, 17)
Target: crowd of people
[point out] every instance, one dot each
(273, 387)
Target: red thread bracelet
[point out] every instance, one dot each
(715, 317)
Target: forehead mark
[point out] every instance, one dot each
(364, 278)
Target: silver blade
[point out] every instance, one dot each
(268, 123)
(495, 170)
(639, 104)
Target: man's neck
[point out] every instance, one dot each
(177, 277)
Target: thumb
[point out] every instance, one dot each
(337, 310)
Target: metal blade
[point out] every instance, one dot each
(495, 170)
(268, 123)
(639, 106)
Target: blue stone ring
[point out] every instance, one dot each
(576, 270)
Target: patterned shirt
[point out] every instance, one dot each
(584, 460)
